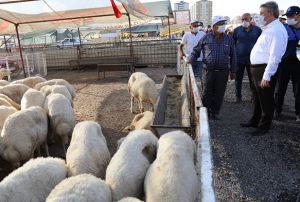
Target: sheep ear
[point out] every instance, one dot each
(149, 152)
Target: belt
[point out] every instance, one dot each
(215, 70)
(258, 65)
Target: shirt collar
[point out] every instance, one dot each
(272, 23)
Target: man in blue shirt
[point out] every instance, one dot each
(218, 50)
(290, 65)
(244, 36)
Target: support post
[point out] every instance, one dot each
(21, 54)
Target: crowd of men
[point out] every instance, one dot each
(271, 57)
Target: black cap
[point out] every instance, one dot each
(292, 11)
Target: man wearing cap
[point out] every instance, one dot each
(265, 57)
(244, 36)
(290, 65)
(218, 51)
(282, 20)
(190, 40)
(209, 29)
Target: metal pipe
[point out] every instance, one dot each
(19, 43)
(169, 28)
(5, 43)
(130, 31)
(79, 37)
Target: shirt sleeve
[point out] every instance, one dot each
(184, 40)
(277, 46)
(196, 51)
(233, 58)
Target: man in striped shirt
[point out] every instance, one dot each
(218, 51)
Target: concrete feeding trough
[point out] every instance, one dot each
(172, 110)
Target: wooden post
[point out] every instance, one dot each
(17, 31)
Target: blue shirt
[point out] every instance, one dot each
(244, 42)
(216, 55)
(290, 53)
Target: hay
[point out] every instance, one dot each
(172, 112)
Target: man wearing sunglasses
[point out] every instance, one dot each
(218, 51)
(190, 40)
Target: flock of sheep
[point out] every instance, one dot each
(34, 110)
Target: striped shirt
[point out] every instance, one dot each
(216, 56)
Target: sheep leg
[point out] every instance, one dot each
(39, 150)
(46, 148)
(152, 107)
(63, 145)
(141, 106)
(132, 100)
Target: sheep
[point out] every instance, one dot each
(47, 89)
(141, 121)
(5, 111)
(88, 152)
(30, 81)
(57, 82)
(4, 72)
(130, 199)
(127, 169)
(61, 115)
(32, 98)
(142, 88)
(84, 187)
(4, 83)
(6, 101)
(172, 176)
(22, 133)
(14, 92)
(33, 181)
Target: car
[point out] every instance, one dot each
(13, 65)
(69, 42)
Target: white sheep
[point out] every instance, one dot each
(4, 83)
(88, 152)
(22, 133)
(30, 81)
(172, 176)
(130, 199)
(141, 121)
(14, 92)
(83, 188)
(32, 98)
(5, 111)
(57, 82)
(127, 169)
(6, 101)
(142, 88)
(4, 72)
(61, 115)
(47, 89)
(33, 181)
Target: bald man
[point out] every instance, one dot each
(244, 36)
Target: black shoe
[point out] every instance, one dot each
(216, 116)
(259, 132)
(277, 115)
(248, 124)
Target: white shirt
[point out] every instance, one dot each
(270, 47)
(190, 41)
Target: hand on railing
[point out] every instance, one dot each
(182, 55)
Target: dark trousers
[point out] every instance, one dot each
(288, 70)
(239, 78)
(262, 99)
(214, 86)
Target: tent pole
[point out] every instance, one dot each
(79, 37)
(169, 28)
(5, 43)
(17, 31)
(131, 46)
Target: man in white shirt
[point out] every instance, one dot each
(190, 40)
(265, 57)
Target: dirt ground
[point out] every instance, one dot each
(105, 101)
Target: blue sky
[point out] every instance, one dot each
(233, 8)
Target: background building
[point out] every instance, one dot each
(181, 5)
(202, 11)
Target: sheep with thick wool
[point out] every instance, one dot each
(33, 181)
(6, 101)
(172, 176)
(61, 115)
(130, 199)
(81, 188)
(22, 133)
(142, 88)
(88, 152)
(57, 82)
(5, 112)
(30, 81)
(32, 98)
(141, 121)
(127, 169)
(4, 83)
(46, 90)
(14, 92)
(4, 72)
